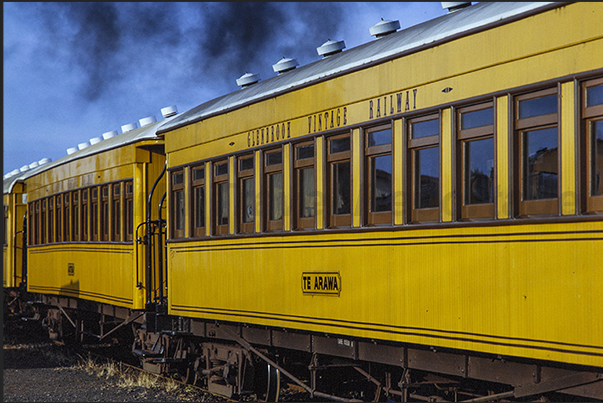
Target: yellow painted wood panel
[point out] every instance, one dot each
(399, 162)
(100, 273)
(447, 166)
(320, 185)
(568, 149)
(356, 177)
(475, 288)
(503, 134)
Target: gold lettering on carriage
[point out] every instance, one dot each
(388, 105)
(321, 283)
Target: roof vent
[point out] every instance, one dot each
(8, 175)
(383, 28)
(247, 79)
(147, 121)
(81, 146)
(71, 150)
(34, 164)
(455, 5)
(24, 168)
(169, 111)
(108, 135)
(95, 140)
(128, 127)
(15, 172)
(330, 48)
(44, 161)
(285, 64)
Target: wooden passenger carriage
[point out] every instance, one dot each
(451, 194)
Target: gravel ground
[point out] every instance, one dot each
(38, 370)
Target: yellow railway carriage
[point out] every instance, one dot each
(14, 270)
(430, 200)
(87, 212)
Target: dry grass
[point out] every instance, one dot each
(127, 377)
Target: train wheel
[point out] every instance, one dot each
(273, 385)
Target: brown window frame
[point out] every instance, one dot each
(32, 223)
(84, 215)
(537, 207)
(177, 187)
(473, 211)
(128, 213)
(269, 171)
(370, 153)
(218, 181)
(4, 235)
(338, 220)
(245, 174)
(50, 227)
(94, 213)
(58, 222)
(299, 165)
(415, 145)
(75, 210)
(590, 114)
(105, 223)
(66, 217)
(37, 223)
(43, 218)
(197, 184)
(116, 212)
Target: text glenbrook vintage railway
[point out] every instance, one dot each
(419, 218)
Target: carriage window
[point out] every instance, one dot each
(31, 222)
(94, 213)
(592, 132)
(273, 170)
(116, 212)
(476, 154)
(129, 210)
(5, 224)
(58, 234)
(43, 223)
(75, 232)
(84, 218)
(339, 181)
(537, 149)
(198, 204)
(424, 149)
(221, 197)
(246, 193)
(104, 213)
(37, 223)
(66, 217)
(50, 231)
(378, 151)
(304, 200)
(177, 203)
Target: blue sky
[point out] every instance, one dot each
(73, 71)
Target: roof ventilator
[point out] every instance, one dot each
(169, 111)
(95, 140)
(147, 121)
(83, 145)
(330, 48)
(248, 79)
(128, 127)
(383, 28)
(108, 135)
(455, 5)
(284, 65)
(71, 150)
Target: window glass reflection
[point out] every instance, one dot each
(381, 179)
(479, 171)
(538, 106)
(427, 180)
(540, 162)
